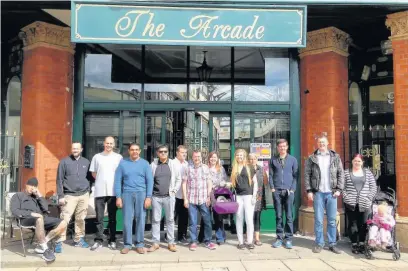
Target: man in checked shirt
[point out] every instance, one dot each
(197, 187)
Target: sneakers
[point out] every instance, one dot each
(58, 247)
(210, 246)
(288, 244)
(183, 241)
(241, 246)
(48, 255)
(40, 249)
(193, 247)
(250, 246)
(335, 250)
(81, 243)
(278, 243)
(317, 249)
(112, 245)
(96, 246)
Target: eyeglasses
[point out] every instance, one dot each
(163, 151)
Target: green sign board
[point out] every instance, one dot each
(255, 26)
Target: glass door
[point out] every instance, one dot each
(130, 131)
(220, 138)
(158, 130)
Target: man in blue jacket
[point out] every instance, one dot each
(133, 191)
(282, 181)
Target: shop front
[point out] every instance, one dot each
(214, 75)
(216, 79)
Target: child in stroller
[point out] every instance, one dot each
(381, 225)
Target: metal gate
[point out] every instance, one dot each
(377, 145)
(10, 164)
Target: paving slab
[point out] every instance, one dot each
(387, 263)
(181, 267)
(270, 265)
(347, 264)
(148, 267)
(307, 265)
(223, 266)
(134, 258)
(69, 268)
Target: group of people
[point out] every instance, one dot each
(183, 190)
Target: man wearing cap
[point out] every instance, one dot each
(31, 208)
(73, 193)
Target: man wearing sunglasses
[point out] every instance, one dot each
(167, 182)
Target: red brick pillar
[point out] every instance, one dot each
(46, 99)
(398, 24)
(324, 101)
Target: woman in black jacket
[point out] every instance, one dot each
(358, 194)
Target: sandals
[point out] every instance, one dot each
(258, 243)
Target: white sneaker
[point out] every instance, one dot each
(96, 246)
(39, 249)
(112, 245)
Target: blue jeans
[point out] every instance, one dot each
(283, 201)
(321, 202)
(193, 210)
(133, 208)
(219, 227)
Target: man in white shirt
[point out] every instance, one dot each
(103, 167)
(181, 211)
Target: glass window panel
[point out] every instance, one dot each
(261, 75)
(97, 127)
(165, 92)
(113, 75)
(217, 87)
(131, 131)
(166, 73)
(381, 99)
(210, 92)
(219, 58)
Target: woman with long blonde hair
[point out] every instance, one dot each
(243, 179)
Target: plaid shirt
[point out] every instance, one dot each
(197, 178)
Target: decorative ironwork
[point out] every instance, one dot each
(4, 165)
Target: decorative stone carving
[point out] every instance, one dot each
(398, 24)
(328, 39)
(45, 34)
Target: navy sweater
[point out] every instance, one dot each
(286, 177)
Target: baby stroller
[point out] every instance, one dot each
(224, 201)
(387, 198)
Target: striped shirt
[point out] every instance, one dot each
(364, 199)
(197, 178)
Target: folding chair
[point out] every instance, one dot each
(15, 223)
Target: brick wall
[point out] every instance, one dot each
(46, 111)
(325, 107)
(400, 56)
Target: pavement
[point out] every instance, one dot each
(225, 258)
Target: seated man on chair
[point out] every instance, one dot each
(31, 209)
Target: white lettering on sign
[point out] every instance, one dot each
(205, 26)
(202, 26)
(126, 26)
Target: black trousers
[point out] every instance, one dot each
(357, 228)
(100, 203)
(257, 221)
(182, 218)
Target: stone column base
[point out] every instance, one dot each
(306, 221)
(401, 232)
